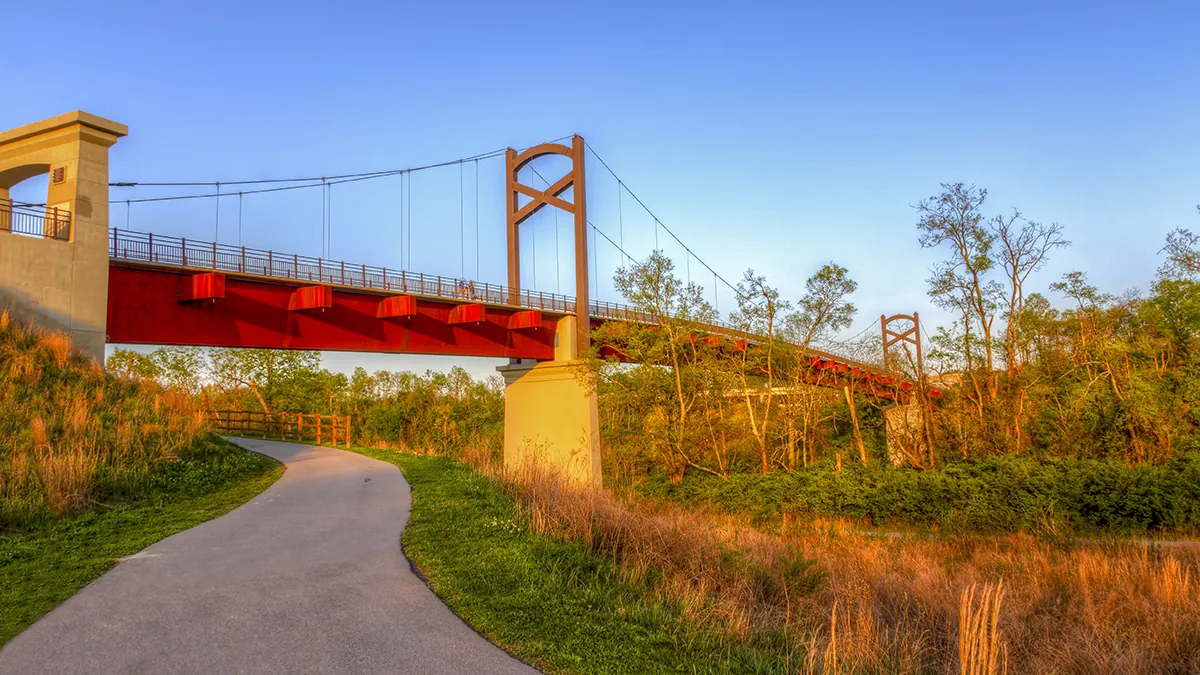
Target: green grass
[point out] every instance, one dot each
(550, 603)
(53, 559)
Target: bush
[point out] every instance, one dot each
(996, 494)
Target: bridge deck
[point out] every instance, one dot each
(143, 254)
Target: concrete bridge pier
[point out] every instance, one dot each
(54, 258)
(906, 439)
(549, 415)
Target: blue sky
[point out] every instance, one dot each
(777, 137)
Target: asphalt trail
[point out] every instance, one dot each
(308, 577)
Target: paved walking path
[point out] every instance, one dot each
(308, 577)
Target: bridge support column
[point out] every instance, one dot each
(57, 276)
(549, 415)
(906, 442)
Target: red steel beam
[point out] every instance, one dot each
(525, 320)
(470, 313)
(197, 287)
(143, 308)
(311, 297)
(397, 307)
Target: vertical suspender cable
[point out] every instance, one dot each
(716, 298)
(533, 250)
(462, 231)
(557, 281)
(324, 211)
(620, 214)
(409, 220)
(477, 275)
(127, 209)
(239, 219)
(329, 224)
(217, 223)
(402, 221)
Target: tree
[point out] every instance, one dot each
(135, 365)
(278, 378)
(960, 283)
(823, 310)
(1183, 255)
(759, 309)
(672, 379)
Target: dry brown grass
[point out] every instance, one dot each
(70, 433)
(974, 606)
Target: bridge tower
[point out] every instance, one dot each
(909, 432)
(549, 415)
(58, 276)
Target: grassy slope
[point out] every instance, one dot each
(46, 565)
(550, 603)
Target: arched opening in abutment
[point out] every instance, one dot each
(24, 196)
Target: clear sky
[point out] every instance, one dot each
(777, 137)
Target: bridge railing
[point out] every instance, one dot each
(49, 222)
(181, 252)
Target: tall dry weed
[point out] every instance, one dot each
(981, 650)
(64, 423)
(966, 605)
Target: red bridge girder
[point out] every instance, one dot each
(169, 306)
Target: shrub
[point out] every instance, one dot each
(997, 494)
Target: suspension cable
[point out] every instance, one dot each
(239, 219)
(657, 222)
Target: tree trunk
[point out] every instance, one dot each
(862, 449)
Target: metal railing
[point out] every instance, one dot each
(50, 222)
(179, 252)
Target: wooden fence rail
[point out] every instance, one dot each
(287, 426)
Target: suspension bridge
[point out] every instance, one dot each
(62, 265)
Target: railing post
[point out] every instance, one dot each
(242, 267)
(150, 251)
(214, 255)
(364, 277)
(385, 286)
(116, 236)
(183, 250)
(271, 263)
(295, 265)
(343, 272)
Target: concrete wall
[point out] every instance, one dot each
(62, 285)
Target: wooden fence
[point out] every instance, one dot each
(287, 426)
